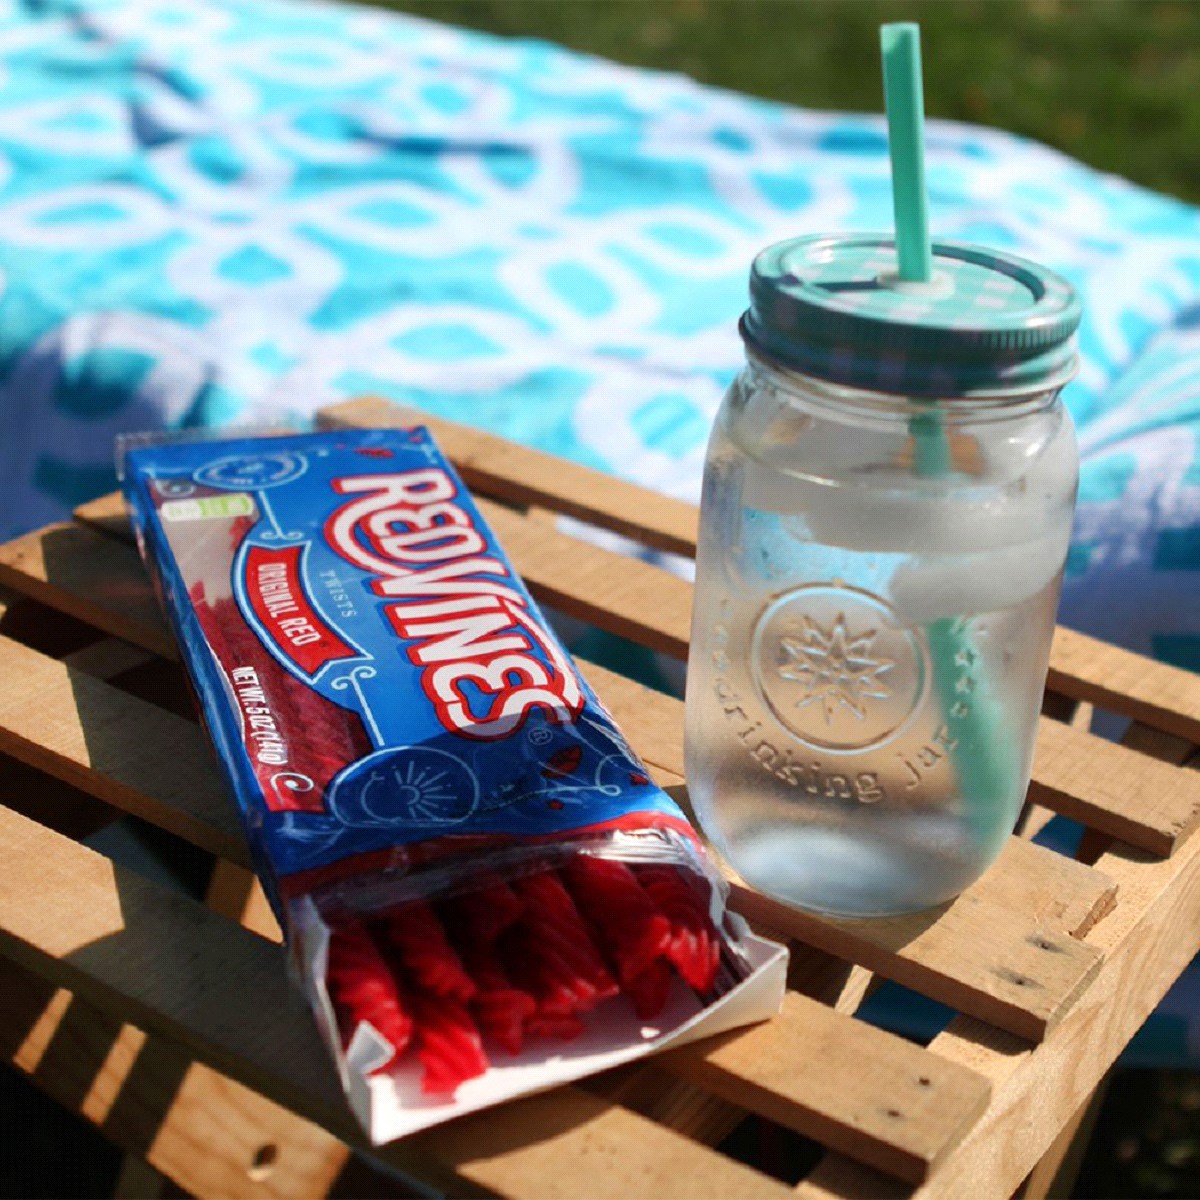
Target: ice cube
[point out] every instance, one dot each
(913, 523)
(927, 587)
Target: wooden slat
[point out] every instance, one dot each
(109, 744)
(903, 1115)
(1113, 789)
(1003, 951)
(612, 591)
(1051, 890)
(558, 1144)
(648, 1089)
(1159, 695)
(1058, 1169)
(207, 1132)
(1166, 747)
(73, 569)
(236, 894)
(108, 658)
(138, 1180)
(52, 802)
(653, 721)
(497, 467)
(154, 955)
(657, 733)
(122, 750)
(107, 514)
(175, 969)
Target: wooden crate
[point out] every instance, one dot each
(171, 1026)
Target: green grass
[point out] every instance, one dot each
(1115, 83)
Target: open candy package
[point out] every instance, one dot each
(483, 892)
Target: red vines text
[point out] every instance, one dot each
(485, 663)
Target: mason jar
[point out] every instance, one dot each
(888, 498)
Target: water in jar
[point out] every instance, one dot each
(869, 645)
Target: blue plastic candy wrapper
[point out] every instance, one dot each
(403, 733)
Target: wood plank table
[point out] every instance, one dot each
(169, 1023)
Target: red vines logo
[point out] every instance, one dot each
(467, 628)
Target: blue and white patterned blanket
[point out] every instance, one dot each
(217, 211)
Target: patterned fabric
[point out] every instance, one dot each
(216, 212)
(1133, 572)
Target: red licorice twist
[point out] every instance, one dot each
(694, 946)
(426, 957)
(488, 911)
(500, 1008)
(448, 1043)
(551, 953)
(362, 989)
(557, 988)
(631, 929)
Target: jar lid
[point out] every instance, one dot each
(987, 323)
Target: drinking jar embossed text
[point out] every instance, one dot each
(887, 503)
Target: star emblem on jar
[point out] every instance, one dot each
(835, 667)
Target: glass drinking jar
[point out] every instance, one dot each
(887, 504)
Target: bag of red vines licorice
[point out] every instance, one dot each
(483, 891)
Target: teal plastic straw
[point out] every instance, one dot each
(904, 100)
(979, 743)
